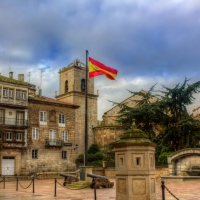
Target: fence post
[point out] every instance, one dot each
(163, 189)
(55, 188)
(33, 185)
(17, 184)
(4, 180)
(95, 192)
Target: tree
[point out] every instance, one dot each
(168, 115)
(144, 115)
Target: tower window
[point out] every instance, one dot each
(66, 86)
(83, 85)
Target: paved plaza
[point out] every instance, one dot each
(44, 189)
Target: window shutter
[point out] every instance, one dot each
(37, 133)
(45, 116)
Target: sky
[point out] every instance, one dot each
(147, 41)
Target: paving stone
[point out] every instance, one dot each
(44, 190)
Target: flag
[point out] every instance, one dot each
(96, 68)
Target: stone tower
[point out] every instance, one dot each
(72, 90)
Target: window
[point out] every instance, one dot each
(24, 95)
(20, 118)
(52, 137)
(64, 154)
(17, 94)
(11, 93)
(9, 136)
(35, 133)
(62, 120)
(34, 153)
(19, 136)
(66, 86)
(83, 85)
(5, 94)
(64, 135)
(43, 117)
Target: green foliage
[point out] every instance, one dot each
(108, 153)
(80, 159)
(164, 112)
(163, 157)
(94, 157)
(94, 148)
(97, 163)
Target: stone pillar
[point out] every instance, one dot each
(85, 170)
(135, 166)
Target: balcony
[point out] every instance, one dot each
(13, 121)
(10, 102)
(53, 143)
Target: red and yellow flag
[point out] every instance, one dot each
(96, 68)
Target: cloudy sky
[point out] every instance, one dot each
(148, 41)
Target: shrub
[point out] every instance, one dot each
(94, 148)
(80, 158)
(94, 157)
(163, 157)
(97, 163)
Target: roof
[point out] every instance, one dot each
(43, 99)
(14, 81)
(124, 101)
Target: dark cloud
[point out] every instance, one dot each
(148, 41)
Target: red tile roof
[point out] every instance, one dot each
(50, 100)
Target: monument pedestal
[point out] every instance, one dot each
(135, 166)
(83, 172)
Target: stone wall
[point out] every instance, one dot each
(105, 135)
(49, 158)
(182, 160)
(110, 171)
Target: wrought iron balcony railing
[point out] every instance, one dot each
(13, 121)
(53, 143)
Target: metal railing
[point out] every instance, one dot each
(53, 143)
(163, 187)
(13, 121)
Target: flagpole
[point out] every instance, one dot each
(86, 110)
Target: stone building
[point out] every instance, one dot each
(72, 90)
(13, 122)
(109, 130)
(51, 140)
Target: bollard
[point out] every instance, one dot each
(163, 189)
(17, 184)
(33, 185)
(55, 188)
(4, 181)
(95, 192)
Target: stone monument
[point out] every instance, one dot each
(135, 166)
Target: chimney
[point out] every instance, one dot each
(55, 94)
(11, 75)
(21, 77)
(40, 93)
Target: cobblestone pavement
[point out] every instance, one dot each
(44, 189)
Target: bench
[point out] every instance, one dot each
(69, 178)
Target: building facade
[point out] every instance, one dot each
(72, 90)
(109, 130)
(51, 143)
(41, 134)
(13, 123)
